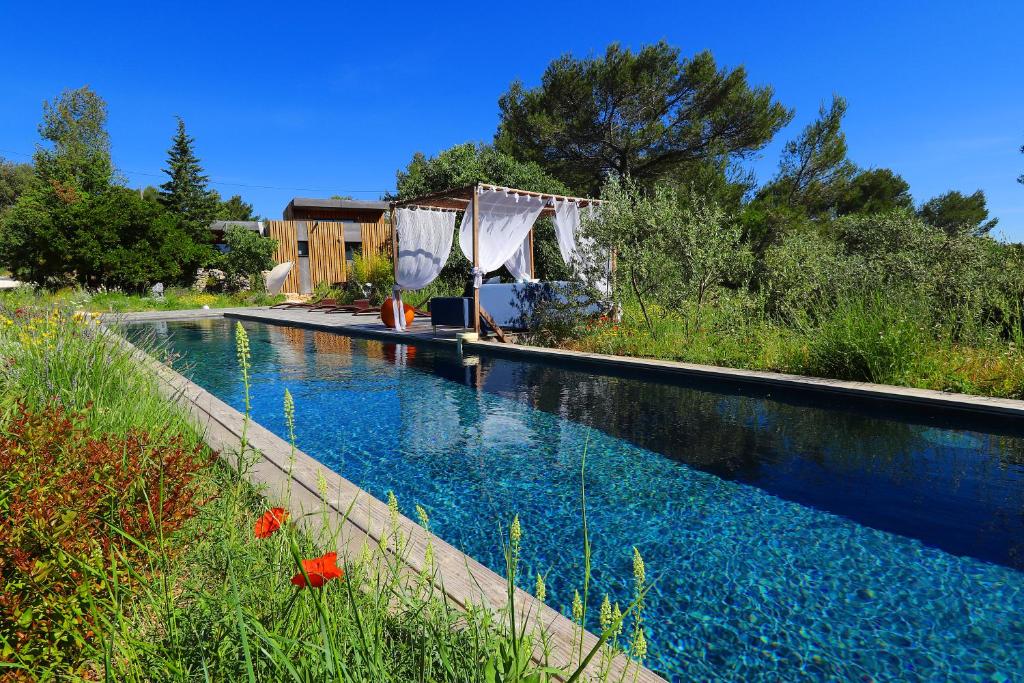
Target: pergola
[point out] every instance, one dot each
(460, 199)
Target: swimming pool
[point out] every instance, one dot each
(791, 537)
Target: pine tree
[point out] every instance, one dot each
(186, 193)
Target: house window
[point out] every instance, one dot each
(351, 250)
(303, 249)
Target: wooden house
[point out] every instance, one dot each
(321, 236)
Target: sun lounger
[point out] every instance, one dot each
(356, 306)
(319, 305)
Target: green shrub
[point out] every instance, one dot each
(376, 270)
(111, 239)
(803, 276)
(91, 461)
(74, 506)
(326, 290)
(248, 255)
(870, 338)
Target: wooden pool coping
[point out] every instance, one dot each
(292, 477)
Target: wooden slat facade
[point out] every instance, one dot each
(327, 252)
(376, 237)
(326, 241)
(287, 250)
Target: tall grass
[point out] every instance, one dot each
(119, 302)
(872, 338)
(211, 601)
(891, 338)
(56, 354)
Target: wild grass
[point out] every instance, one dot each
(206, 599)
(889, 339)
(120, 302)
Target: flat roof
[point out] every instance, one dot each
(356, 204)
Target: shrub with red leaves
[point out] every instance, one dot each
(65, 494)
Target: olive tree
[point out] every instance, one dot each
(669, 246)
(706, 247)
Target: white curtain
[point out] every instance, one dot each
(519, 263)
(567, 226)
(505, 221)
(424, 243)
(579, 252)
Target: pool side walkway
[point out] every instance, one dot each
(355, 517)
(422, 332)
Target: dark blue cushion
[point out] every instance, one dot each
(451, 310)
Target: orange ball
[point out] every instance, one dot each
(387, 313)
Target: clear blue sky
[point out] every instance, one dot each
(316, 99)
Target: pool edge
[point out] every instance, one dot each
(969, 403)
(358, 517)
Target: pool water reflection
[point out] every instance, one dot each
(790, 537)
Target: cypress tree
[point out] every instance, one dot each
(186, 193)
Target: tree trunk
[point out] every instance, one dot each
(640, 300)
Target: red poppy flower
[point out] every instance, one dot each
(270, 522)
(319, 570)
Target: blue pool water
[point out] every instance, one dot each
(791, 538)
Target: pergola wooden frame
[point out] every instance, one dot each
(458, 199)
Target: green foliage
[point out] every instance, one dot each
(950, 271)
(642, 115)
(668, 245)
(33, 247)
(873, 338)
(705, 251)
(113, 238)
(151, 194)
(15, 180)
(881, 297)
(376, 270)
(112, 301)
(75, 125)
(632, 224)
(803, 275)
(954, 211)
(465, 164)
(816, 182)
(72, 225)
(814, 168)
(877, 190)
(75, 500)
(185, 193)
(248, 254)
(124, 241)
(233, 209)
